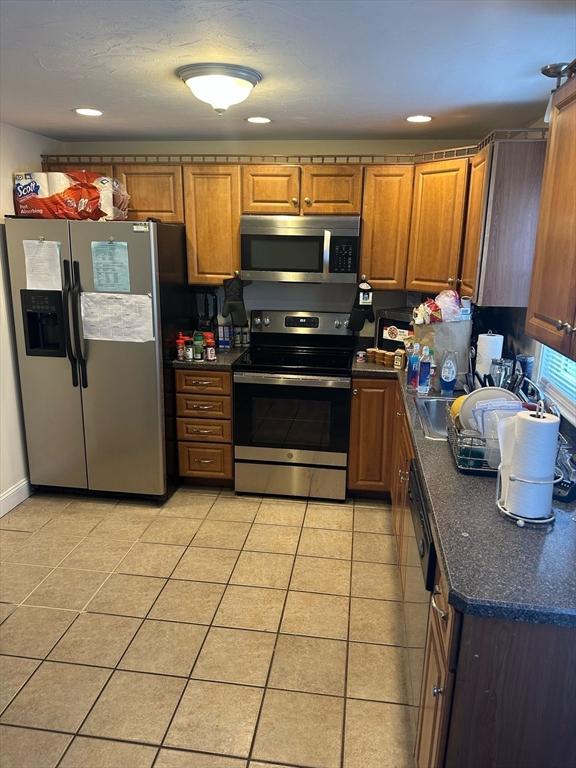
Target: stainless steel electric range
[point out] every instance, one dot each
(292, 405)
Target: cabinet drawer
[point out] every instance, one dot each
(213, 382)
(204, 407)
(204, 431)
(205, 460)
(445, 618)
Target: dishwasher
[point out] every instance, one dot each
(417, 571)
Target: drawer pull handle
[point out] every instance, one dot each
(202, 407)
(443, 614)
(436, 691)
(203, 431)
(204, 461)
(202, 383)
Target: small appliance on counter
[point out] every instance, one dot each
(292, 391)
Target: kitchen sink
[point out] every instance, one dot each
(432, 412)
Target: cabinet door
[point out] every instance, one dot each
(436, 225)
(104, 169)
(434, 704)
(370, 454)
(475, 221)
(271, 189)
(386, 225)
(212, 211)
(328, 189)
(155, 191)
(552, 296)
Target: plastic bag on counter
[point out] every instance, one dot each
(445, 337)
(449, 303)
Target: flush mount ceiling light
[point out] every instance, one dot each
(88, 112)
(259, 120)
(559, 71)
(220, 85)
(419, 119)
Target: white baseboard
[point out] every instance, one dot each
(13, 496)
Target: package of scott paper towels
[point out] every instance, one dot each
(77, 194)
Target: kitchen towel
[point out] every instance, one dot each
(489, 347)
(528, 449)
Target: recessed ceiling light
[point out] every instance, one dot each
(259, 120)
(88, 112)
(220, 85)
(419, 119)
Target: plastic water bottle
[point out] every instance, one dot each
(448, 374)
(424, 372)
(413, 367)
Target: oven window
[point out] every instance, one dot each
(282, 253)
(312, 419)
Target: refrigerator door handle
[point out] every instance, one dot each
(76, 291)
(66, 314)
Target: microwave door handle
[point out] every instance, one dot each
(326, 253)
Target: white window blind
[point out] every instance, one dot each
(557, 378)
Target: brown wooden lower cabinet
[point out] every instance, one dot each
(205, 460)
(204, 424)
(371, 435)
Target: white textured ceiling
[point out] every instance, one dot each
(331, 68)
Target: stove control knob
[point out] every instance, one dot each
(258, 321)
(337, 324)
(266, 321)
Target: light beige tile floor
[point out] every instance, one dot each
(211, 632)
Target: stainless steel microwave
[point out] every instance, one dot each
(300, 249)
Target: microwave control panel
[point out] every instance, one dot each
(344, 255)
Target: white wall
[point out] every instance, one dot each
(19, 150)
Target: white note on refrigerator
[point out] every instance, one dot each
(42, 259)
(117, 317)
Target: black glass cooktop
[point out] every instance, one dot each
(317, 361)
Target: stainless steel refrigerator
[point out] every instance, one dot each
(93, 303)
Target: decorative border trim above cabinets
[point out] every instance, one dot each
(520, 134)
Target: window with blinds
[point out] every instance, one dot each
(557, 378)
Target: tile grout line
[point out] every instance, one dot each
(115, 668)
(281, 619)
(209, 627)
(343, 737)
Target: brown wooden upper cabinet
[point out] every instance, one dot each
(551, 315)
(331, 189)
(212, 212)
(155, 191)
(371, 435)
(271, 189)
(386, 225)
(503, 203)
(104, 169)
(436, 225)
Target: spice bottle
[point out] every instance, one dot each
(198, 346)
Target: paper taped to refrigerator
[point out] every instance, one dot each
(110, 266)
(117, 317)
(42, 259)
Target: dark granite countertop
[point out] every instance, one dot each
(223, 362)
(493, 567)
(372, 371)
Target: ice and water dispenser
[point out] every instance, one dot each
(44, 324)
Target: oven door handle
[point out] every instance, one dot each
(293, 380)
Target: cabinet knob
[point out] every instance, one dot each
(354, 391)
(307, 201)
(436, 691)
(400, 413)
(559, 325)
(294, 202)
(450, 280)
(568, 328)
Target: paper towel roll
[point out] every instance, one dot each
(489, 346)
(506, 438)
(532, 457)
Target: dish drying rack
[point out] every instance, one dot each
(470, 450)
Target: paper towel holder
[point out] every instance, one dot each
(520, 520)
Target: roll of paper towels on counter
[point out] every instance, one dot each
(489, 346)
(529, 453)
